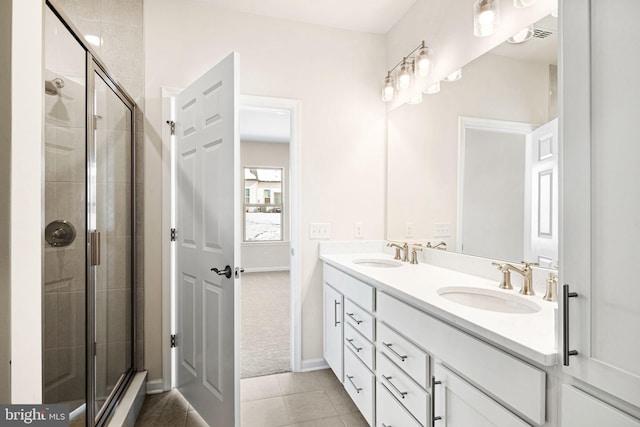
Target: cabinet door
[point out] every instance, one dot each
(459, 404)
(333, 332)
(600, 201)
(581, 410)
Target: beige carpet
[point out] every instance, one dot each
(265, 324)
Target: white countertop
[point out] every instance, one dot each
(531, 335)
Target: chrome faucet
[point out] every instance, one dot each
(440, 245)
(404, 248)
(525, 272)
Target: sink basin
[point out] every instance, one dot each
(487, 299)
(377, 263)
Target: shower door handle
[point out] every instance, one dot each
(226, 272)
(94, 248)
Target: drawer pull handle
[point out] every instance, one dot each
(350, 378)
(398, 355)
(384, 425)
(336, 303)
(565, 324)
(354, 319)
(356, 348)
(433, 401)
(402, 393)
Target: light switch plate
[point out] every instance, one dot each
(442, 229)
(319, 230)
(357, 230)
(408, 229)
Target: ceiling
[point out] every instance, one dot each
(261, 124)
(544, 50)
(376, 16)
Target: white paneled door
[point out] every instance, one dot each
(207, 237)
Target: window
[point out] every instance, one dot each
(262, 213)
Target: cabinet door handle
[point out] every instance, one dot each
(354, 319)
(385, 425)
(356, 348)
(434, 383)
(336, 303)
(398, 355)
(350, 378)
(401, 393)
(565, 324)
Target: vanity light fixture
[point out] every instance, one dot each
(434, 88)
(454, 77)
(522, 36)
(523, 3)
(486, 17)
(388, 88)
(416, 64)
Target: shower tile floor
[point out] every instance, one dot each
(309, 399)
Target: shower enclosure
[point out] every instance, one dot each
(88, 229)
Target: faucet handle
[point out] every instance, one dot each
(500, 265)
(414, 255)
(529, 264)
(505, 283)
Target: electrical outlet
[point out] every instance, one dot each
(408, 229)
(357, 230)
(442, 229)
(319, 230)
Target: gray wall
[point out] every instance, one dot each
(5, 202)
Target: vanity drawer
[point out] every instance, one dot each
(408, 393)
(350, 287)
(361, 321)
(515, 383)
(359, 383)
(404, 353)
(389, 412)
(360, 346)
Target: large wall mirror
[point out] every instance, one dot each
(475, 165)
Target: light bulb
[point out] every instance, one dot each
(434, 88)
(404, 76)
(522, 36)
(388, 89)
(423, 61)
(486, 15)
(455, 76)
(523, 3)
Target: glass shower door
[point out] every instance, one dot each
(111, 212)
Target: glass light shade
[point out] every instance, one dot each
(404, 76)
(522, 36)
(423, 61)
(523, 3)
(415, 99)
(434, 88)
(486, 17)
(388, 89)
(454, 77)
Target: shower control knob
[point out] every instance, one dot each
(226, 272)
(59, 233)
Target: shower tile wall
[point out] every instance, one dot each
(118, 24)
(64, 272)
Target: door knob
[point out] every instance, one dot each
(226, 272)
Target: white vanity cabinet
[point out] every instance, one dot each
(333, 330)
(600, 203)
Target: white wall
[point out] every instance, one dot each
(5, 199)
(268, 256)
(423, 139)
(447, 27)
(336, 75)
(27, 113)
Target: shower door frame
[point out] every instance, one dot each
(94, 66)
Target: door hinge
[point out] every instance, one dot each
(172, 125)
(173, 234)
(173, 341)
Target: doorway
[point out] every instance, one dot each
(282, 262)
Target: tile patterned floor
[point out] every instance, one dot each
(310, 399)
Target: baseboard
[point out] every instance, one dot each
(155, 386)
(266, 269)
(314, 365)
(127, 410)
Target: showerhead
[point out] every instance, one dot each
(52, 87)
